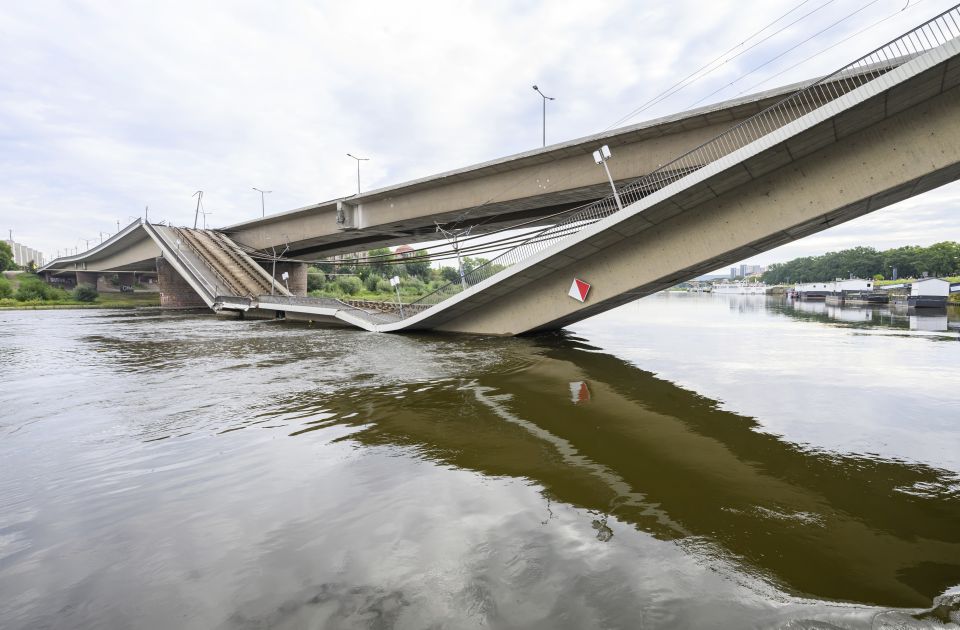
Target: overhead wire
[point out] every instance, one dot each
(684, 82)
(831, 47)
(792, 48)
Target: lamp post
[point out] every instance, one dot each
(545, 99)
(263, 208)
(196, 215)
(358, 159)
(600, 156)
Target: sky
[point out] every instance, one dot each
(108, 107)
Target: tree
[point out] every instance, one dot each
(940, 259)
(418, 265)
(6, 257)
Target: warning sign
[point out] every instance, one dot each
(579, 290)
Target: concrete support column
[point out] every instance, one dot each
(297, 282)
(87, 277)
(175, 292)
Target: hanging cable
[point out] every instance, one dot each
(792, 48)
(829, 48)
(682, 83)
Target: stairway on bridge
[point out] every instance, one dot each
(222, 274)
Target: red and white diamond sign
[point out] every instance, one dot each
(579, 290)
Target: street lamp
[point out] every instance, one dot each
(263, 209)
(358, 159)
(545, 99)
(600, 156)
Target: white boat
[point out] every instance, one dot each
(740, 288)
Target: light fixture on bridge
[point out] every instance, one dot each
(545, 99)
(263, 207)
(358, 159)
(600, 156)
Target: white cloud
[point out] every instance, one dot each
(106, 107)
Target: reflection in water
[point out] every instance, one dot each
(887, 316)
(215, 473)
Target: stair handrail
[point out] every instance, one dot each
(223, 281)
(211, 289)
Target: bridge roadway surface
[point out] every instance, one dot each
(864, 144)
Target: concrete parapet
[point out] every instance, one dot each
(175, 292)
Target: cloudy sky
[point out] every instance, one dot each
(106, 107)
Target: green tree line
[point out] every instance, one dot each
(911, 261)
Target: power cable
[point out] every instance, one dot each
(682, 83)
(829, 48)
(792, 48)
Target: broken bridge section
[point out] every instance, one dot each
(220, 273)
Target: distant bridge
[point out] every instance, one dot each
(880, 130)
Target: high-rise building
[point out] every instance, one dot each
(23, 255)
(733, 272)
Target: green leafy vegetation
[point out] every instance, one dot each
(33, 289)
(85, 293)
(6, 257)
(911, 261)
(371, 280)
(27, 291)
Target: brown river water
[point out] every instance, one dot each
(684, 461)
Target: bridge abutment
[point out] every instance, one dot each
(175, 292)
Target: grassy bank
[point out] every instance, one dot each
(104, 300)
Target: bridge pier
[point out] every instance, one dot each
(175, 292)
(87, 277)
(297, 282)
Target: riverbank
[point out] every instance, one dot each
(104, 300)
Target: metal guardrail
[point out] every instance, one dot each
(202, 258)
(928, 36)
(373, 316)
(210, 288)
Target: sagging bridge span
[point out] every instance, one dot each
(699, 190)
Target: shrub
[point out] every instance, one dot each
(6, 289)
(372, 282)
(85, 293)
(315, 279)
(383, 286)
(349, 285)
(32, 288)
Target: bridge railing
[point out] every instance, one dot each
(928, 36)
(175, 249)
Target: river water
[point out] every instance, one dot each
(683, 461)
